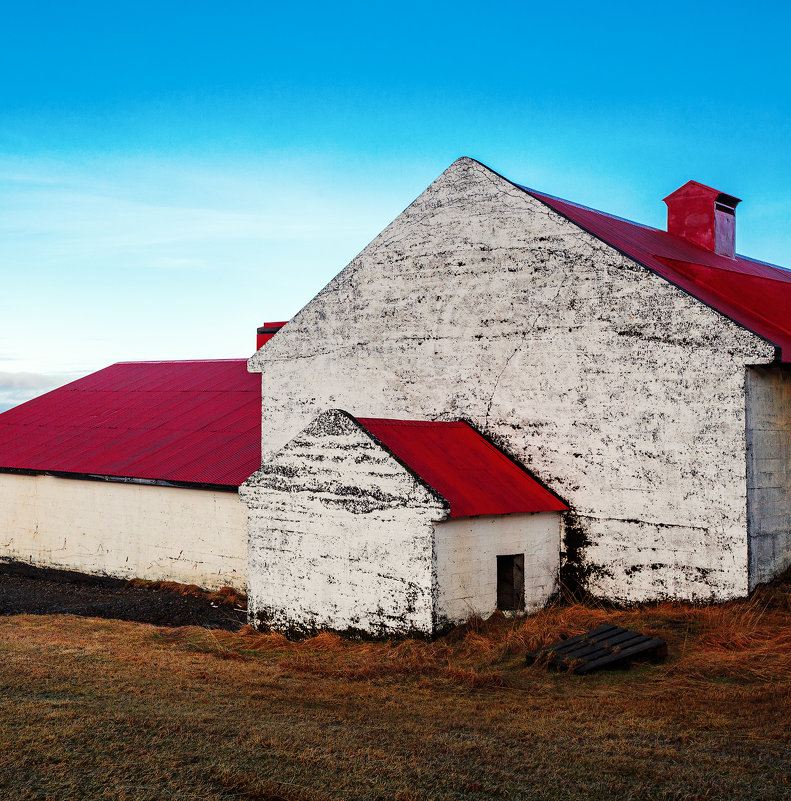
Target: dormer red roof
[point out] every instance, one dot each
(474, 476)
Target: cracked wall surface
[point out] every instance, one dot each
(191, 536)
(622, 393)
(340, 535)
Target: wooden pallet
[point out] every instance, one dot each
(605, 647)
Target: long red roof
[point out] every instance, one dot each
(754, 294)
(185, 421)
(474, 476)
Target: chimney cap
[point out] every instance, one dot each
(271, 328)
(696, 189)
(265, 332)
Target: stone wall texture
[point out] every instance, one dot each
(625, 395)
(343, 536)
(340, 535)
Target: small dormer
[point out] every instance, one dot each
(704, 216)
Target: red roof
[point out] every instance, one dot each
(464, 468)
(755, 294)
(195, 422)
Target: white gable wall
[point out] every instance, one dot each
(340, 535)
(192, 536)
(622, 393)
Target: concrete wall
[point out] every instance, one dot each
(340, 535)
(126, 530)
(768, 471)
(621, 392)
(466, 551)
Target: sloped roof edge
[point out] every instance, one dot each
(751, 293)
(474, 476)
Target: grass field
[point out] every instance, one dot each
(100, 709)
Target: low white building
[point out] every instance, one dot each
(134, 471)
(394, 526)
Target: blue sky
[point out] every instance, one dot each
(174, 174)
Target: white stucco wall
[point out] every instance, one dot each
(769, 471)
(191, 536)
(340, 535)
(466, 551)
(622, 393)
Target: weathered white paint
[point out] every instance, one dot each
(769, 471)
(344, 536)
(620, 391)
(340, 535)
(466, 551)
(191, 536)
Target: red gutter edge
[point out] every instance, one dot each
(147, 482)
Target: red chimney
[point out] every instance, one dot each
(704, 216)
(266, 332)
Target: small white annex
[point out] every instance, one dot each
(392, 526)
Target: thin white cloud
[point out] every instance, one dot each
(26, 380)
(47, 209)
(16, 388)
(180, 263)
(112, 259)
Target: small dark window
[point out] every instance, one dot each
(511, 582)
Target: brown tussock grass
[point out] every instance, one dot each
(243, 786)
(747, 640)
(223, 597)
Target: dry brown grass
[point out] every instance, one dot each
(748, 639)
(225, 596)
(102, 709)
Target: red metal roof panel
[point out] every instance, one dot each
(193, 422)
(474, 476)
(754, 294)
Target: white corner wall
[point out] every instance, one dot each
(466, 551)
(192, 536)
(768, 471)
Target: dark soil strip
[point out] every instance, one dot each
(45, 591)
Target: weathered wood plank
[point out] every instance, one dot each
(642, 648)
(605, 646)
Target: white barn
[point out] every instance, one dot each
(503, 392)
(642, 376)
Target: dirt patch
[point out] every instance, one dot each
(43, 591)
